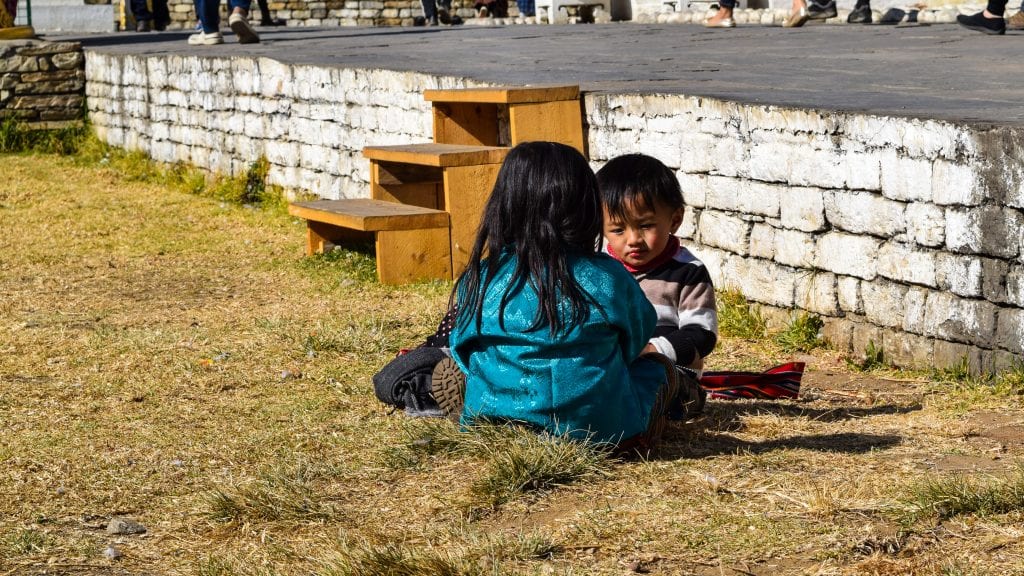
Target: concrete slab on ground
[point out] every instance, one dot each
(940, 71)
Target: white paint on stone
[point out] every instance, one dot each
(955, 184)
(848, 292)
(802, 209)
(926, 224)
(816, 292)
(721, 230)
(864, 213)
(848, 254)
(883, 302)
(762, 241)
(960, 320)
(795, 248)
(906, 179)
(959, 274)
(898, 261)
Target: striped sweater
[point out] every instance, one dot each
(680, 288)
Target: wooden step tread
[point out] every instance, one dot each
(504, 94)
(369, 215)
(438, 155)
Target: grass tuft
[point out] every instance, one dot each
(396, 559)
(802, 334)
(737, 318)
(874, 359)
(519, 461)
(281, 493)
(26, 541)
(959, 495)
(17, 138)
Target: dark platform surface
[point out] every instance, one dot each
(940, 71)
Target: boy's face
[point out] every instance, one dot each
(644, 233)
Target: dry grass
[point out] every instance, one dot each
(175, 359)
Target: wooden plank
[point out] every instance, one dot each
(467, 189)
(399, 183)
(504, 94)
(369, 215)
(467, 123)
(321, 236)
(439, 155)
(414, 255)
(551, 121)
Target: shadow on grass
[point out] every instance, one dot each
(726, 412)
(709, 443)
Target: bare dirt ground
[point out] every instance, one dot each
(176, 361)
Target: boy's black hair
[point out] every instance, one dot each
(627, 178)
(545, 207)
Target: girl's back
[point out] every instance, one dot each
(548, 329)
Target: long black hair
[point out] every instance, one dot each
(545, 207)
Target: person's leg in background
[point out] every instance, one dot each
(861, 13)
(209, 17)
(143, 17)
(161, 15)
(989, 21)
(527, 8)
(722, 18)
(239, 22)
(429, 12)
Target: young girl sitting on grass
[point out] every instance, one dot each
(548, 331)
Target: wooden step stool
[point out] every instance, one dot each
(411, 185)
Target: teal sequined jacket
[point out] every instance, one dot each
(586, 383)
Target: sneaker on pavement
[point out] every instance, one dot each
(204, 39)
(239, 24)
(860, 15)
(978, 22)
(819, 11)
(448, 386)
(1016, 22)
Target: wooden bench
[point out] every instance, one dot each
(412, 242)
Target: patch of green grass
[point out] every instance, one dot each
(1011, 380)
(280, 493)
(17, 138)
(353, 263)
(25, 541)
(737, 318)
(874, 359)
(802, 334)
(960, 495)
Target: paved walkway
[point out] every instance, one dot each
(938, 71)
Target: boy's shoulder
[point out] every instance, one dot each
(684, 257)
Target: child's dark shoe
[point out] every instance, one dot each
(449, 388)
(689, 402)
(980, 23)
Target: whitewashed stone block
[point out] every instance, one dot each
(762, 241)
(1010, 333)
(848, 293)
(959, 274)
(906, 179)
(728, 157)
(688, 227)
(915, 303)
(763, 281)
(819, 168)
(863, 171)
(795, 248)
(883, 302)
(956, 184)
(864, 212)
(1015, 286)
(848, 254)
(926, 224)
(694, 187)
(960, 320)
(716, 262)
(817, 292)
(695, 153)
(768, 163)
(802, 209)
(663, 146)
(905, 263)
(987, 230)
(723, 231)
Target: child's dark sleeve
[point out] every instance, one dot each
(687, 315)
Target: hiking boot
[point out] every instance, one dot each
(240, 26)
(980, 23)
(816, 11)
(1016, 22)
(204, 39)
(860, 15)
(448, 386)
(443, 15)
(689, 402)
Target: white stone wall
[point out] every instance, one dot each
(221, 114)
(902, 232)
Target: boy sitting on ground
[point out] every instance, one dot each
(643, 207)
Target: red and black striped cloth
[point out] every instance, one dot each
(782, 381)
